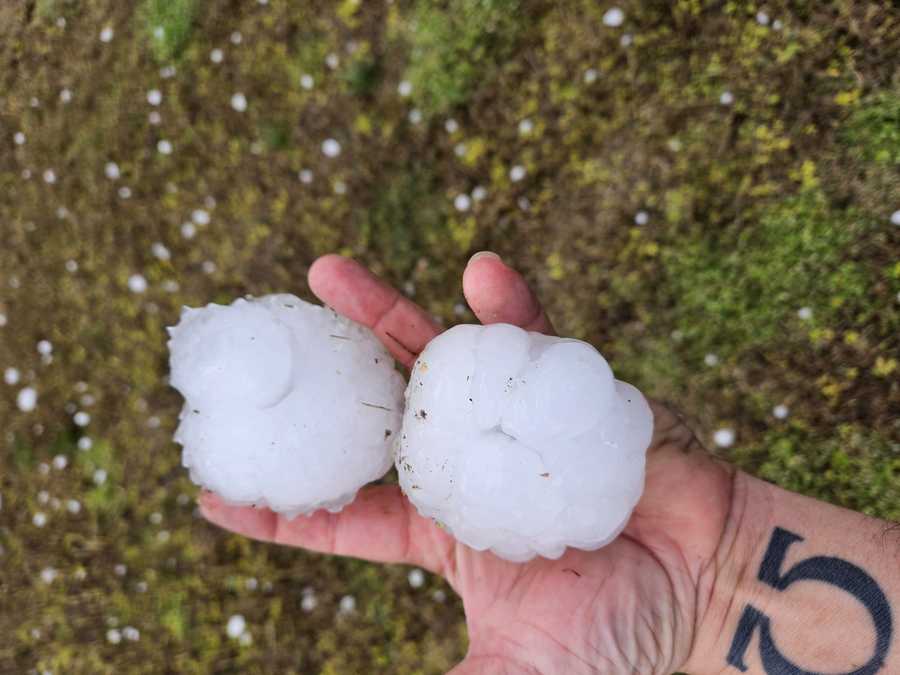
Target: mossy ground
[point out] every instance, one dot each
(765, 156)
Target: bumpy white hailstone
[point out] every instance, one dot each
(287, 404)
(521, 443)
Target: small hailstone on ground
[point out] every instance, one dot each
(526, 126)
(711, 359)
(216, 55)
(48, 575)
(3, 319)
(163, 536)
(239, 102)
(614, 17)
(43, 468)
(236, 38)
(459, 150)
(73, 506)
(60, 462)
(159, 251)
(804, 313)
(71, 266)
(332, 60)
(590, 76)
(245, 640)
(462, 202)
(11, 376)
(159, 32)
(112, 171)
(50, 176)
(154, 97)
(762, 18)
(39, 519)
(100, 476)
(137, 283)
(305, 176)
(347, 604)
(164, 147)
(641, 218)
(521, 443)
(331, 148)
(724, 438)
(517, 173)
(479, 193)
(307, 81)
(236, 626)
(208, 267)
(340, 187)
(780, 411)
(43, 497)
(154, 117)
(726, 98)
(200, 216)
(113, 636)
(27, 399)
(416, 578)
(626, 40)
(45, 347)
(415, 116)
(125, 192)
(404, 88)
(895, 217)
(106, 35)
(156, 518)
(131, 633)
(451, 126)
(19, 138)
(188, 230)
(120, 570)
(65, 96)
(251, 584)
(288, 405)
(85, 443)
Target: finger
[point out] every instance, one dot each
(352, 290)
(499, 294)
(379, 525)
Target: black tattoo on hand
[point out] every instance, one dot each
(828, 570)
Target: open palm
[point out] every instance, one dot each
(631, 607)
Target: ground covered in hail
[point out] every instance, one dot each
(709, 192)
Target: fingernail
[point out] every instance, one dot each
(484, 254)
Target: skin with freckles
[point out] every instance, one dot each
(631, 607)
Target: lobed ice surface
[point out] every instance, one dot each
(287, 404)
(521, 443)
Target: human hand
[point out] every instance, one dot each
(631, 607)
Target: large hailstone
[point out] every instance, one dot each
(522, 443)
(287, 404)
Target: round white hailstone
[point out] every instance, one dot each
(626, 40)
(81, 418)
(762, 18)
(777, 24)
(131, 633)
(85, 443)
(895, 217)
(137, 283)
(200, 216)
(451, 126)
(11, 376)
(804, 313)
(106, 35)
(73, 506)
(50, 176)
(521, 443)
(188, 230)
(517, 173)
(159, 250)
(711, 360)
(305, 176)
(167, 72)
(19, 138)
(726, 98)
(724, 438)
(154, 97)
(113, 636)
(125, 192)
(44, 468)
(48, 575)
(236, 626)
(45, 347)
(154, 117)
(170, 286)
(416, 578)
(404, 88)
(347, 604)
(415, 116)
(65, 96)
(340, 187)
(27, 399)
(216, 55)
(236, 38)
(641, 218)
(309, 602)
(43, 497)
(39, 519)
(239, 102)
(331, 148)
(781, 411)
(524, 203)
(590, 75)
(120, 570)
(156, 518)
(251, 584)
(526, 126)
(112, 171)
(332, 61)
(164, 147)
(100, 476)
(307, 81)
(163, 536)
(60, 462)
(208, 266)
(288, 405)
(3, 319)
(614, 17)
(479, 193)
(462, 202)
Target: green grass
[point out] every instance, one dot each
(168, 25)
(873, 129)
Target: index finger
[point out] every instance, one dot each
(352, 290)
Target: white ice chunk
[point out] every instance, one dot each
(521, 443)
(287, 404)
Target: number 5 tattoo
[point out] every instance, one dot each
(828, 570)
